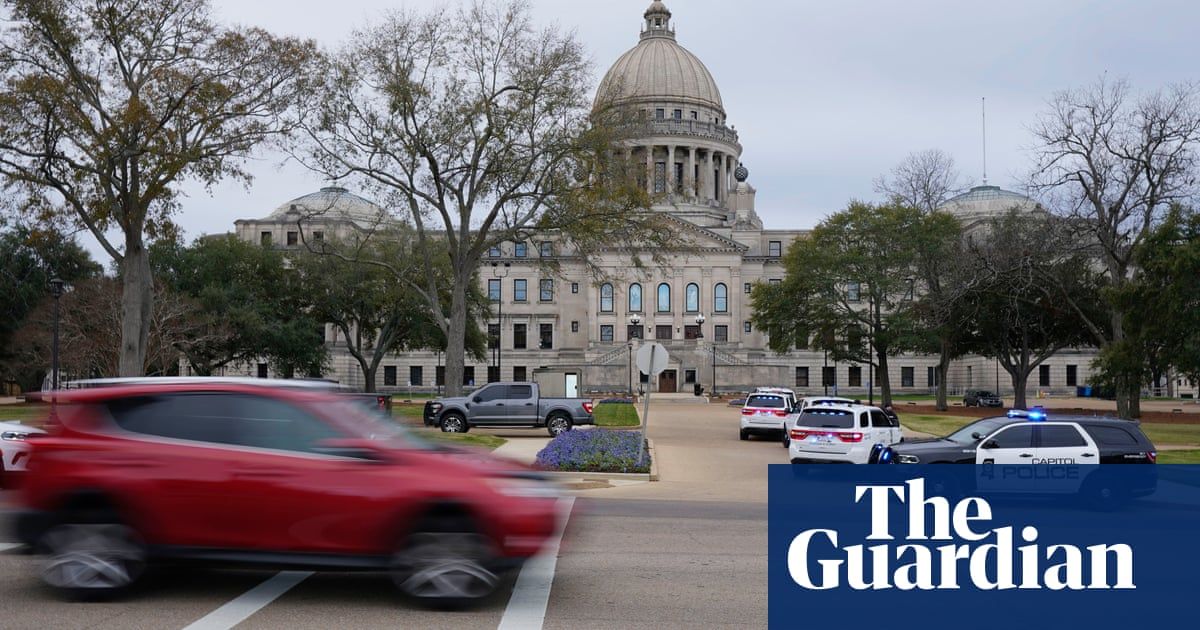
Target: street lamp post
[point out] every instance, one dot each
(699, 338)
(635, 321)
(56, 289)
(500, 313)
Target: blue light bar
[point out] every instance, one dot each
(1037, 414)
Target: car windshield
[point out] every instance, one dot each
(367, 422)
(982, 427)
(826, 418)
(766, 402)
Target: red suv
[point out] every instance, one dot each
(249, 473)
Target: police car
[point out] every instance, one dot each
(840, 433)
(811, 401)
(765, 411)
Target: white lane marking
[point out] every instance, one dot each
(7, 546)
(531, 595)
(240, 608)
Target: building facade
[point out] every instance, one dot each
(586, 329)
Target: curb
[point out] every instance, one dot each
(602, 476)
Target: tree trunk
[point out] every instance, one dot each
(1019, 383)
(369, 372)
(137, 295)
(1135, 400)
(943, 367)
(885, 383)
(456, 340)
(1122, 384)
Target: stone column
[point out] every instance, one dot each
(650, 169)
(708, 177)
(691, 172)
(670, 174)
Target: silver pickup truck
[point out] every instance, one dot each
(508, 405)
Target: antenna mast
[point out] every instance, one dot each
(984, 104)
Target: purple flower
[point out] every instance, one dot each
(594, 450)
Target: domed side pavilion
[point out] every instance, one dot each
(577, 335)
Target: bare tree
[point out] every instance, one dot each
(107, 105)
(1113, 163)
(924, 180)
(477, 128)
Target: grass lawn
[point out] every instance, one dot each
(1179, 457)
(616, 415)
(399, 398)
(400, 410)
(481, 440)
(22, 411)
(1184, 434)
(934, 425)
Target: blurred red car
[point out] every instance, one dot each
(249, 473)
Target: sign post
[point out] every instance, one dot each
(651, 361)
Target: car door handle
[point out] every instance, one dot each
(499, 404)
(1026, 454)
(528, 404)
(1088, 455)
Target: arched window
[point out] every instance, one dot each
(664, 298)
(720, 298)
(606, 298)
(635, 298)
(692, 298)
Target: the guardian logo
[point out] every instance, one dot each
(983, 558)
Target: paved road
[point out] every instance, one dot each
(686, 552)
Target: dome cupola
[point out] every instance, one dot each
(658, 21)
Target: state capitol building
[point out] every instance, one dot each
(697, 305)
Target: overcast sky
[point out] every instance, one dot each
(825, 94)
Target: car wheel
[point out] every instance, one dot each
(454, 423)
(444, 563)
(743, 434)
(787, 440)
(91, 556)
(557, 425)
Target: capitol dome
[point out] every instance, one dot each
(658, 69)
(332, 203)
(987, 202)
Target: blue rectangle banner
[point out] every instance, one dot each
(983, 546)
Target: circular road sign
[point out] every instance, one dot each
(652, 359)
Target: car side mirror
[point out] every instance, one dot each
(478, 399)
(991, 444)
(976, 436)
(352, 448)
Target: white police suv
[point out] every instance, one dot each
(765, 411)
(840, 433)
(804, 403)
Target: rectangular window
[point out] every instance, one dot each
(389, 376)
(662, 332)
(660, 114)
(293, 238)
(691, 331)
(660, 177)
(853, 291)
(776, 280)
(519, 373)
(1072, 376)
(677, 114)
(689, 376)
(907, 378)
(909, 288)
(519, 336)
(695, 116)
(416, 376)
(546, 291)
(775, 249)
(1043, 376)
(634, 332)
(606, 332)
(829, 376)
(854, 377)
(318, 236)
(440, 376)
(802, 377)
(678, 177)
(469, 375)
(265, 239)
(747, 328)
(574, 327)
(575, 289)
(493, 336)
(494, 289)
(747, 288)
(520, 250)
(721, 333)
(546, 335)
(493, 374)
(545, 249)
(521, 290)
(494, 251)
(931, 376)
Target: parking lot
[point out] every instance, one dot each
(687, 551)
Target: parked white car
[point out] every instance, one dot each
(841, 433)
(14, 450)
(764, 413)
(804, 403)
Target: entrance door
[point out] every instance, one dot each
(668, 382)
(572, 386)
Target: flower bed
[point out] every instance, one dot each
(594, 450)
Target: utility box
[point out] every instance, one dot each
(558, 382)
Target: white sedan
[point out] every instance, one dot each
(14, 449)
